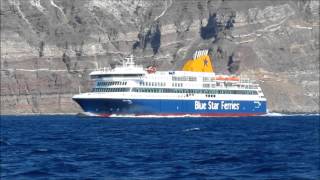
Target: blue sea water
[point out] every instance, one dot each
(72, 147)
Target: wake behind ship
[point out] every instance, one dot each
(131, 90)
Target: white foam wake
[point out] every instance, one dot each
(181, 116)
(282, 114)
(152, 116)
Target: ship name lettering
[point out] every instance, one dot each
(230, 106)
(213, 106)
(200, 106)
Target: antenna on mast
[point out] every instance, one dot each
(129, 61)
(97, 65)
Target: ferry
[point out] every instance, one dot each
(195, 91)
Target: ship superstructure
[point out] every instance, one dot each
(131, 90)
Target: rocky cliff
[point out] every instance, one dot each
(48, 47)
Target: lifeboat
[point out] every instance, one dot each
(151, 69)
(227, 78)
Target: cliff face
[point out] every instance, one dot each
(48, 47)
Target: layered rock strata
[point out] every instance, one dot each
(48, 47)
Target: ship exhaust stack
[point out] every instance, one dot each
(201, 62)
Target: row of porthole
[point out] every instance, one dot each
(152, 84)
(210, 95)
(197, 91)
(111, 83)
(111, 90)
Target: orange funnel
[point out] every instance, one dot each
(200, 63)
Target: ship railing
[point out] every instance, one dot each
(109, 70)
(104, 69)
(232, 81)
(237, 86)
(127, 62)
(228, 78)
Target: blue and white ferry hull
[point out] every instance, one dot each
(106, 107)
(131, 90)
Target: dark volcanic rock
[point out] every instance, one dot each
(48, 47)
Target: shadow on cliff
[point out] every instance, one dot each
(152, 37)
(211, 30)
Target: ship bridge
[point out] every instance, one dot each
(128, 69)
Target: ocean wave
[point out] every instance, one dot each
(221, 159)
(191, 129)
(4, 142)
(34, 173)
(263, 169)
(60, 147)
(41, 151)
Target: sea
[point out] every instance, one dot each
(74, 147)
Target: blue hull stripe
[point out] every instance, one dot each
(160, 106)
